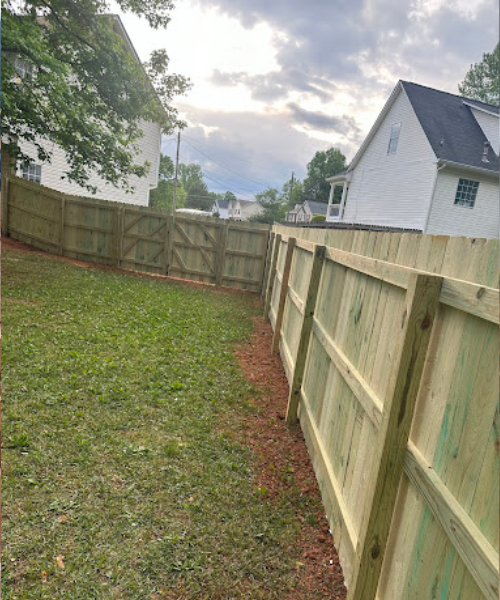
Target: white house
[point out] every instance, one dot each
(430, 164)
(308, 210)
(291, 215)
(242, 210)
(221, 207)
(50, 173)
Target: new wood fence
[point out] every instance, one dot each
(198, 248)
(390, 345)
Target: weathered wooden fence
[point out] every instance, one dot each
(198, 248)
(390, 345)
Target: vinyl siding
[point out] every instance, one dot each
(489, 124)
(149, 146)
(393, 189)
(448, 219)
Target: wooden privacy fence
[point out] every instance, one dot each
(393, 373)
(139, 238)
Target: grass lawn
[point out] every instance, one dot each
(125, 473)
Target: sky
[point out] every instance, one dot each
(274, 81)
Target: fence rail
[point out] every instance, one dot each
(139, 238)
(390, 345)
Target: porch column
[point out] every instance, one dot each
(342, 202)
(330, 198)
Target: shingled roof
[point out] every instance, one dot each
(450, 126)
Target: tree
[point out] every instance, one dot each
(482, 81)
(191, 178)
(69, 78)
(324, 164)
(163, 196)
(297, 196)
(273, 205)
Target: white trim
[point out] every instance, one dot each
(485, 110)
(462, 167)
(428, 216)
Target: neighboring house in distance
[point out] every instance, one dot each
(242, 210)
(291, 215)
(429, 164)
(49, 174)
(222, 208)
(310, 209)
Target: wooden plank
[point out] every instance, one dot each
(272, 275)
(221, 254)
(385, 271)
(209, 235)
(245, 254)
(168, 233)
(241, 280)
(474, 299)
(35, 213)
(371, 404)
(269, 255)
(33, 236)
(305, 245)
(305, 335)
(474, 549)
(294, 297)
(333, 486)
(283, 295)
(132, 223)
(183, 266)
(93, 228)
(422, 301)
(62, 226)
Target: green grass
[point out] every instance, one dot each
(122, 403)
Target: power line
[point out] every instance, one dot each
(244, 160)
(224, 167)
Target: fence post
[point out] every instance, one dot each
(422, 301)
(62, 225)
(117, 236)
(269, 256)
(305, 335)
(5, 207)
(168, 233)
(283, 295)
(221, 253)
(272, 275)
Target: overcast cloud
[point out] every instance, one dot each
(276, 81)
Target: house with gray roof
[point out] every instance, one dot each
(221, 208)
(429, 164)
(309, 209)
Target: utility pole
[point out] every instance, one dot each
(174, 203)
(291, 191)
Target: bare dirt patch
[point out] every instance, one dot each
(282, 463)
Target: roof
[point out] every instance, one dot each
(317, 208)
(450, 126)
(223, 203)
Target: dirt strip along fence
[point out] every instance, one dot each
(133, 237)
(390, 344)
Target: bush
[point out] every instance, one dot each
(318, 219)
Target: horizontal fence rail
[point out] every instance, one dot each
(202, 249)
(390, 345)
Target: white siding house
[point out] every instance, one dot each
(221, 207)
(51, 173)
(242, 210)
(425, 151)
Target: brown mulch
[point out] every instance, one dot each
(280, 449)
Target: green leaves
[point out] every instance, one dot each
(482, 81)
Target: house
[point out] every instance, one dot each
(291, 215)
(429, 164)
(50, 173)
(221, 207)
(310, 209)
(242, 210)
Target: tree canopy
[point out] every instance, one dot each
(324, 164)
(482, 81)
(274, 206)
(69, 77)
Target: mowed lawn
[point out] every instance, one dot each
(125, 472)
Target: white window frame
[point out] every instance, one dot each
(392, 148)
(32, 172)
(466, 194)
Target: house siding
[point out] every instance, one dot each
(489, 124)
(448, 219)
(393, 189)
(149, 146)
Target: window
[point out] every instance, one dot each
(466, 193)
(32, 173)
(393, 142)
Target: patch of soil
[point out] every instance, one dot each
(282, 462)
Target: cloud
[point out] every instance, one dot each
(320, 121)
(248, 152)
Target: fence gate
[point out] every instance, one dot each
(196, 249)
(144, 240)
